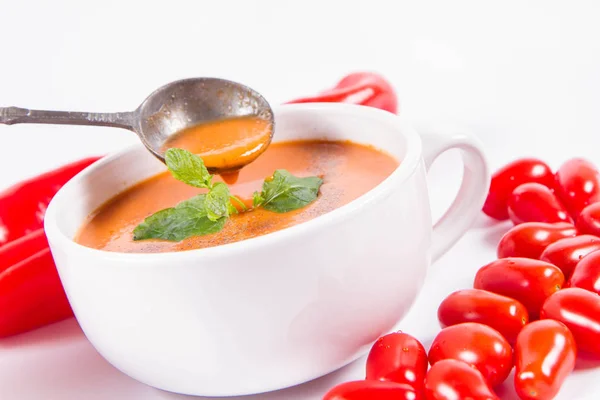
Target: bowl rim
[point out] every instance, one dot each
(408, 165)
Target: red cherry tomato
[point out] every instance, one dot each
(478, 345)
(398, 357)
(587, 273)
(372, 390)
(589, 220)
(566, 253)
(527, 281)
(545, 356)
(533, 202)
(577, 185)
(531, 238)
(502, 313)
(579, 310)
(453, 379)
(506, 179)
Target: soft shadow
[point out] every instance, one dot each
(484, 222)
(314, 389)
(494, 233)
(506, 391)
(64, 331)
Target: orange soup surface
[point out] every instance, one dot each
(225, 145)
(348, 170)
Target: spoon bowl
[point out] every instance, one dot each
(169, 110)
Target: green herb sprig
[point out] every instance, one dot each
(207, 213)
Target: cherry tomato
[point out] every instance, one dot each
(579, 310)
(531, 238)
(577, 185)
(398, 357)
(566, 253)
(587, 273)
(478, 345)
(453, 379)
(502, 313)
(533, 202)
(545, 356)
(371, 390)
(506, 179)
(589, 220)
(527, 281)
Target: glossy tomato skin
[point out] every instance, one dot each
(371, 390)
(398, 357)
(507, 178)
(589, 220)
(577, 185)
(528, 281)
(533, 202)
(566, 253)
(453, 379)
(531, 238)
(502, 313)
(579, 310)
(477, 345)
(587, 273)
(545, 355)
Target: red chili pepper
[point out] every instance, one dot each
(31, 295)
(363, 88)
(20, 249)
(23, 205)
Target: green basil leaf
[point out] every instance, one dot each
(188, 168)
(285, 192)
(188, 218)
(217, 202)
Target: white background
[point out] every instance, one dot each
(523, 75)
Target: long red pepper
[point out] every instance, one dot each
(363, 88)
(31, 294)
(23, 205)
(18, 250)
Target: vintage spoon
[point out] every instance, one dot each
(170, 110)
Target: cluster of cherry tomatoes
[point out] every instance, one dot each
(534, 308)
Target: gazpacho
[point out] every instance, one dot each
(292, 182)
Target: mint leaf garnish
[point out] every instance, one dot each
(188, 168)
(257, 199)
(217, 202)
(188, 218)
(241, 203)
(207, 213)
(285, 192)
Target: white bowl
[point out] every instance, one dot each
(272, 311)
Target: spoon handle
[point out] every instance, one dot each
(15, 115)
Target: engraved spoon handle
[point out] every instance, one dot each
(16, 115)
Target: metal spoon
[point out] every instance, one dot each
(167, 111)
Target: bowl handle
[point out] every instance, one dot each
(473, 190)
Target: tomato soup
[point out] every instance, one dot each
(349, 170)
(227, 144)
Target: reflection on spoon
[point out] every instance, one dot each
(225, 145)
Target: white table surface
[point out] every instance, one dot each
(522, 75)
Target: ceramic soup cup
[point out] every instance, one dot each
(275, 310)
